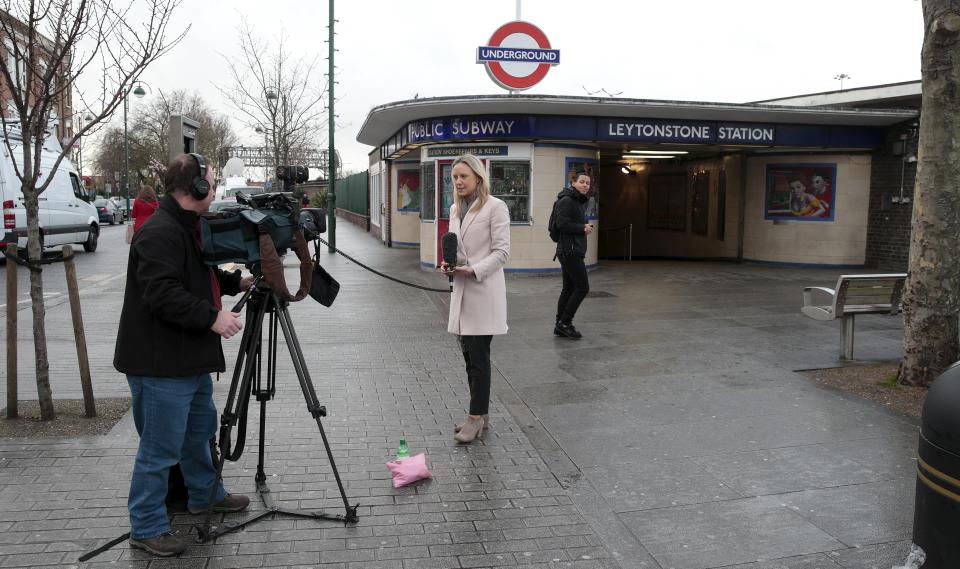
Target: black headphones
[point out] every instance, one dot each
(200, 187)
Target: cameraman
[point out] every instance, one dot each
(168, 344)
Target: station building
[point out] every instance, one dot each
(804, 181)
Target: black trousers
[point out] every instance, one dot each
(476, 354)
(575, 287)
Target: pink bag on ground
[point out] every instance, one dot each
(410, 469)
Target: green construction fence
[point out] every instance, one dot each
(352, 194)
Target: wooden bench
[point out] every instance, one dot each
(855, 294)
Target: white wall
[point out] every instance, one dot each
(842, 241)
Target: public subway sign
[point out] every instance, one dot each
(518, 56)
(457, 128)
(694, 132)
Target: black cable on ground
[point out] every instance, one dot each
(388, 277)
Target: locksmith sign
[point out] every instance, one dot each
(517, 56)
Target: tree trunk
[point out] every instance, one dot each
(933, 288)
(35, 253)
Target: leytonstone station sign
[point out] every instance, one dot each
(518, 55)
(606, 129)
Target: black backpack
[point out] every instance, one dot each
(552, 224)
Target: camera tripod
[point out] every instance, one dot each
(247, 380)
(260, 300)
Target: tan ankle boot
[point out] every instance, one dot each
(471, 430)
(486, 424)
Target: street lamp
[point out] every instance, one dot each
(139, 92)
(271, 95)
(263, 130)
(87, 118)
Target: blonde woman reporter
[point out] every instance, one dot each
(478, 305)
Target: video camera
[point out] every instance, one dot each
(291, 175)
(232, 234)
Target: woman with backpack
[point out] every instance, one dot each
(570, 224)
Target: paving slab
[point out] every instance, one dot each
(677, 433)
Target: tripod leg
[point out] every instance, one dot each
(264, 395)
(237, 401)
(310, 395)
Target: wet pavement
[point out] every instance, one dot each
(676, 434)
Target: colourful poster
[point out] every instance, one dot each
(408, 190)
(592, 167)
(802, 192)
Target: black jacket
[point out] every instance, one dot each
(168, 304)
(571, 217)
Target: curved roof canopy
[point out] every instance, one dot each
(384, 121)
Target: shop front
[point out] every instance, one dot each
(678, 180)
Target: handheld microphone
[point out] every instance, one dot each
(449, 245)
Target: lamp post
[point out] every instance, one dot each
(87, 118)
(263, 130)
(139, 92)
(281, 144)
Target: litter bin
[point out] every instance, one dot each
(937, 511)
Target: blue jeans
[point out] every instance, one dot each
(176, 419)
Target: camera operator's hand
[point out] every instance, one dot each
(227, 323)
(245, 282)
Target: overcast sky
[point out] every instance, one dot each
(695, 50)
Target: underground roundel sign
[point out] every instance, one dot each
(518, 55)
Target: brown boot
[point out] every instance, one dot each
(472, 429)
(164, 545)
(231, 503)
(486, 424)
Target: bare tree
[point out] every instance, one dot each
(49, 45)
(932, 300)
(148, 133)
(277, 93)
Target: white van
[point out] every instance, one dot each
(65, 214)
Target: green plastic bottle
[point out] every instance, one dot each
(402, 450)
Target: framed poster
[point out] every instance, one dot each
(592, 167)
(667, 202)
(801, 192)
(408, 190)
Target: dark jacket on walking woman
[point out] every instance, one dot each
(172, 299)
(570, 219)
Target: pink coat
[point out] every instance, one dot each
(478, 305)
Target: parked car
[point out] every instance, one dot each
(121, 204)
(108, 211)
(218, 205)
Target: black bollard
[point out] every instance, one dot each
(937, 511)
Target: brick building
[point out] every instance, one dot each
(62, 109)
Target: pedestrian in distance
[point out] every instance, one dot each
(571, 223)
(168, 343)
(478, 305)
(143, 207)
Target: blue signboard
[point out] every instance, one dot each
(470, 128)
(501, 127)
(688, 132)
